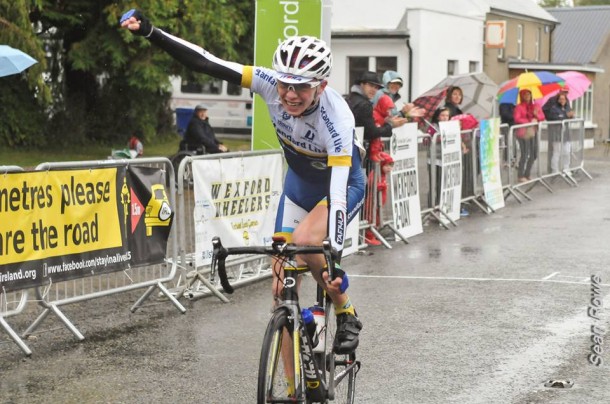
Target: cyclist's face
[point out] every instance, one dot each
(296, 98)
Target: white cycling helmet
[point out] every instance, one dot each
(306, 57)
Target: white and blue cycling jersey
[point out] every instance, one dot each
(320, 148)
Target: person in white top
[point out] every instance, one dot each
(324, 185)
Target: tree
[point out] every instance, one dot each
(106, 82)
(553, 3)
(23, 96)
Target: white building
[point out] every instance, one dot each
(423, 40)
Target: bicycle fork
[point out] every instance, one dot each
(302, 345)
(316, 389)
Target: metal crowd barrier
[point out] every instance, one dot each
(152, 277)
(434, 171)
(376, 216)
(557, 144)
(13, 302)
(193, 282)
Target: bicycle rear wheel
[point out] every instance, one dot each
(277, 380)
(341, 369)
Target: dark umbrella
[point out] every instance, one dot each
(13, 61)
(479, 95)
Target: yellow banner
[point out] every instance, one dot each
(56, 213)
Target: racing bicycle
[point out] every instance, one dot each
(292, 369)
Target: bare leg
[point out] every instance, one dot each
(311, 231)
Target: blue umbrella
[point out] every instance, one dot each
(13, 61)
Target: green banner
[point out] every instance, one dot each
(277, 20)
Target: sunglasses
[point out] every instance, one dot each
(298, 88)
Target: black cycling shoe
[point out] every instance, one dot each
(348, 328)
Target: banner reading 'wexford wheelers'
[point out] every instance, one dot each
(236, 199)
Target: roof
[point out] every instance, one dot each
(526, 8)
(580, 34)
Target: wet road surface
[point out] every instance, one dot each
(486, 312)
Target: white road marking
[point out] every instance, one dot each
(550, 276)
(450, 278)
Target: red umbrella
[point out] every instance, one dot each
(430, 101)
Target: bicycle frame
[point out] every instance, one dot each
(317, 387)
(302, 344)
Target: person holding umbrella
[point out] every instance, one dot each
(527, 112)
(558, 110)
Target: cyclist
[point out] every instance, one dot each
(324, 185)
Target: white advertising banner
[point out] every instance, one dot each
(451, 169)
(236, 199)
(490, 163)
(406, 209)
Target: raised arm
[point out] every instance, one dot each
(192, 56)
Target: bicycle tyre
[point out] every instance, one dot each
(176, 159)
(272, 377)
(345, 388)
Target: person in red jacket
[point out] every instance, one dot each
(527, 112)
(387, 164)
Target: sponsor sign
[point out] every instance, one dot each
(490, 162)
(237, 200)
(275, 21)
(62, 225)
(451, 169)
(406, 209)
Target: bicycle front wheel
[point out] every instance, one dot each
(341, 369)
(278, 380)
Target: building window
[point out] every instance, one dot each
(473, 66)
(234, 89)
(384, 63)
(213, 86)
(583, 106)
(538, 43)
(520, 41)
(361, 64)
(357, 66)
(452, 67)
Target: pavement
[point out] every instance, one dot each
(488, 312)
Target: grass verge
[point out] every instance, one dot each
(31, 158)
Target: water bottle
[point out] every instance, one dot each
(320, 320)
(310, 326)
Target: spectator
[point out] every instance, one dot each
(558, 111)
(527, 112)
(359, 101)
(441, 114)
(507, 111)
(136, 148)
(453, 99)
(199, 135)
(386, 164)
(506, 114)
(392, 84)
(553, 101)
(381, 112)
